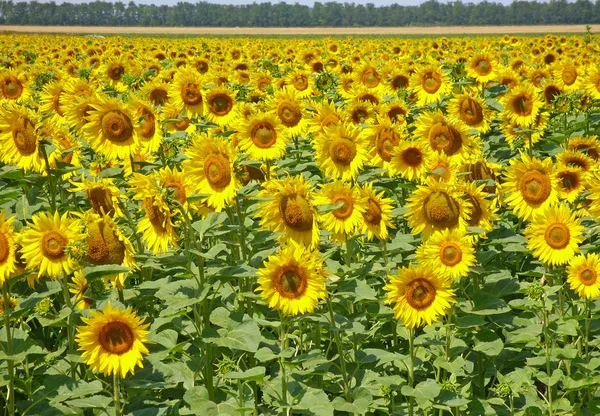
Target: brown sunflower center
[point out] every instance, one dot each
(412, 156)
(56, 103)
(557, 236)
(190, 94)
(575, 161)
(483, 67)
(535, 187)
(359, 114)
(12, 88)
(263, 135)
(373, 214)
(117, 126)
(588, 276)
(178, 191)
(4, 248)
(221, 104)
(342, 151)
(296, 212)
(101, 201)
(53, 245)
(471, 112)
(387, 139)
(291, 281)
(147, 124)
(551, 92)
(103, 245)
(217, 171)
(395, 113)
(431, 82)
(441, 210)
(345, 211)
(370, 78)
(301, 82)
(476, 211)
(116, 338)
(158, 96)
(420, 293)
(24, 137)
(400, 82)
(115, 72)
(569, 75)
(569, 180)
(445, 138)
(450, 254)
(289, 114)
(154, 215)
(522, 104)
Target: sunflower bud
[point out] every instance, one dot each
(503, 390)
(44, 307)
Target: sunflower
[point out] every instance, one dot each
(102, 195)
(591, 83)
(210, 167)
(583, 272)
(449, 253)
(531, 186)
(568, 76)
(574, 158)
(588, 145)
(293, 280)
(470, 110)
(150, 133)
(12, 304)
(185, 92)
(174, 121)
(286, 106)
(78, 286)
(516, 137)
(44, 243)
(481, 67)
(289, 210)
(383, 138)
(341, 152)
(410, 160)
(522, 104)
(178, 185)
(78, 110)
(507, 77)
(326, 115)
(263, 137)
(442, 168)
(571, 182)
(368, 76)
(68, 149)
(113, 70)
(7, 248)
(479, 168)
(346, 220)
(395, 111)
(551, 91)
(360, 112)
(419, 294)
(20, 138)
(436, 206)
(484, 212)
(112, 340)
(52, 101)
(13, 85)
(220, 105)
(156, 92)
(112, 130)
(300, 81)
(554, 235)
(429, 84)
(377, 218)
(441, 135)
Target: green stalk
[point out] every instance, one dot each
(9, 349)
(411, 368)
(116, 394)
(242, 229)
(282, 342)
(340, 347)
(50, 181)
(548, 341)
(587, 330)
(70, 335)
(348, 251)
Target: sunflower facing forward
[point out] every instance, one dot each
(583, 273)
(293, 280)
(7, 248)
(419, 295)
(448, 252)
(341, 152)
(263, 137)
(112, 341)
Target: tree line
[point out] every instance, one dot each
(331, 14)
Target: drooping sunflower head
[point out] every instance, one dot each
(419, 295)
(293, 280)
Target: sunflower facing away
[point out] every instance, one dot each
(554, 235)
(290, 211)
(448, 252)
(419, 295)
(293, 280)
(102, 195)
(112, 340)
(44, 243)
(583, 272)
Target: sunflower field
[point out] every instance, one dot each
(299, 226)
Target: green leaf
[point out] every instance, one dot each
(427, 390)
(94, 402)
(253, 374)
(316, 402)
(578, 381)
(488, 304)
(203, 226)
(199, 403)
(488, 342)
(96, 272)
(244, 336)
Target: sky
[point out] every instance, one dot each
(305, 2)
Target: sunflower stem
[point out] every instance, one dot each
(9, 350)
(348, 251)
(50, 181)
(65, 288)
(340, 346)
(530, 144)
(268, 162)
(411, 368)
(282, 346)
(587, 329)
(547, 350)
(116, 394)
(242, 229)
(138, 240)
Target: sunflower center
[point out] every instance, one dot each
(56, 103)
(441, 210)
(342, 151)
(412, 156)
(154, 215)
(522, 104)
(432, 82)
(148, 125)
(24, 137)
(483, 67)
(420, 293)
(158, 96)
(569, 180)
(395, 112)
(101, 201)
(221, 104)
(116, 338)
(476, 211)
(330, 120)
(115, 72)
(400, 82)
(588, 277)
(296, 212)
(386, 141)
(53, 245)
(301, 82)
(178, 191)
(551, 92)
(370, 78)
(103, 245)
(471, 112)
(289, 114)
(569, 76)
(535, 187)
(12, 88)
(216, 170)
(345, 211)
(557, 236)
(291, 282)
(576, 162)
(190, 94)
(359, 114)
(445, 138)
(117, 126)
(4, 248)
(263, 135)
(182, 124)
(373, 214)
(450, 254)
